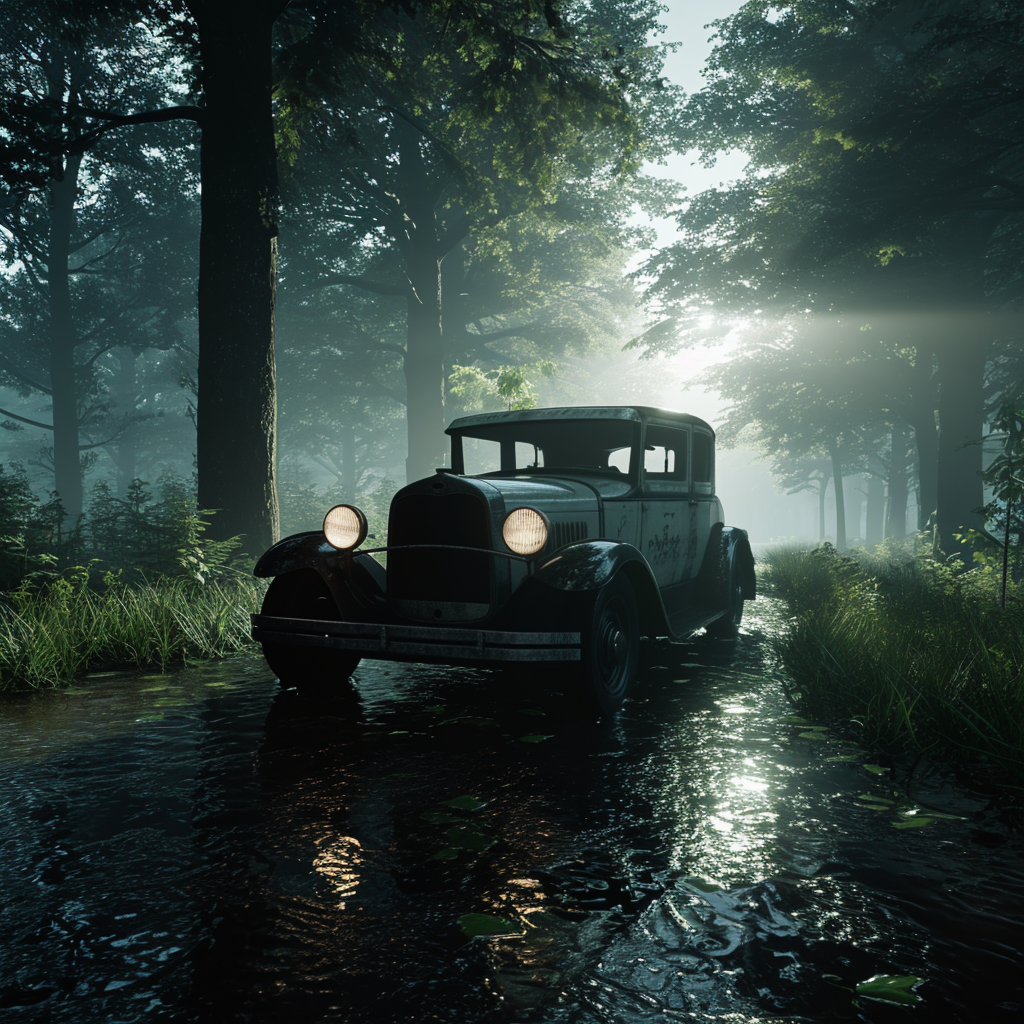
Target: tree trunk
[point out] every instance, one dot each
(237, 403)
(424, 355)
(896, 511)
(875, 520)
(822, 490)
(66, 465)
(347, 443)
(961, 410)
(837, 478)
(926, 441)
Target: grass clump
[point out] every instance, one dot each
(918, 653)
(55, 630)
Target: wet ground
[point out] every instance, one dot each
(442, 845)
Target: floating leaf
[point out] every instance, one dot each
(539, 712)
(534, 738)
(843, 757)
(891, 988)
(439, 817)
(877, 769)
(472, 925)
(466, 803)
(813, 736)
(918, 821)
(465, 838)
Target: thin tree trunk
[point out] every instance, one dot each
(896, 512)
(237, 404)
(822, 491)
(960, 489)
(926, 442)
(874, 526)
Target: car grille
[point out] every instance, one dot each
(444, 583)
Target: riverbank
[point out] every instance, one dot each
(916, 655)
(51, 635)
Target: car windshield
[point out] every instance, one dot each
(536, 446)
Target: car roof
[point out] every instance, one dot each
(635, 413)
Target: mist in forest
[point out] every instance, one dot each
(810, 239)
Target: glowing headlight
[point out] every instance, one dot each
(525, 531)
(345, 527)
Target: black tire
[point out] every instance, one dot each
(610, 646)
(729, 624)
(303, 594)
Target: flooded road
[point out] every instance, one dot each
(453, 845)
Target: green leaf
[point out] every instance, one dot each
(472, 925)
(877, 769)
(891, 988)
(467, 802)
(534, 738)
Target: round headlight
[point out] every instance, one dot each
(345, 527)
(525, 531)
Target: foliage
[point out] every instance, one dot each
(1003, 512)
(506, 387)
(916, 653)
(51, 634)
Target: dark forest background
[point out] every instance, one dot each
(254, 256)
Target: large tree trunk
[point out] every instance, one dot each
(424, 355)
(822, 490)
(961, 412)
(837, 477)
(66, 465)
(237, 405)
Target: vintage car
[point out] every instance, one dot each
(559, 536)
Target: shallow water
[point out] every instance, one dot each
(205, 846)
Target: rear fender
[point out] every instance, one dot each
(727, 551)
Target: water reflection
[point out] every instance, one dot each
(208, 847)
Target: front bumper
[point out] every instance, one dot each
(417, 643)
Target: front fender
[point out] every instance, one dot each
(353, 578)
(589, 565)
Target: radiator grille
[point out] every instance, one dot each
(439, 575)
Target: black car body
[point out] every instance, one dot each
(558, 535)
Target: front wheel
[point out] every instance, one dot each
(303, 594)
(610, 651)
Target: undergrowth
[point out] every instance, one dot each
(915, 652)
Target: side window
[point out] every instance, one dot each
(665, 451)
(703, 463)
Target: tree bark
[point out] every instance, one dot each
(237, 403)
(424, 356)
(896, 510)
(960, 492)
(64, 393)
(874, 524)
(837, 478)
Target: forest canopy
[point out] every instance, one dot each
(271, 248)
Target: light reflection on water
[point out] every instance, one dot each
(204, 847)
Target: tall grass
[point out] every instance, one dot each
(917, 653)
(50, 635)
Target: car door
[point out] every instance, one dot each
(667, 535)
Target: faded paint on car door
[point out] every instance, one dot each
(668, 536)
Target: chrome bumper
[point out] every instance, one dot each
(376, 640)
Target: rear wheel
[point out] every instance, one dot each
(303, 594)
(729, 624)
(610, 651)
